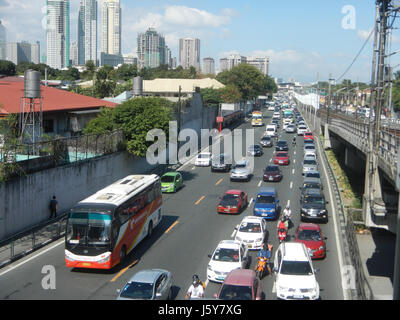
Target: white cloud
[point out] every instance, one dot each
(192, 17)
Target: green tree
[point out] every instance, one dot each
(71, 74)
(248, 79)
(270, 85)
(211, 97)
(230, 94)
(104, 85)
(136, 117)
(7, 68)
(126, 72)
(100, 124)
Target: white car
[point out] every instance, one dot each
(301, 130)
(203, 159)
(270, 130)
(271, 108)
(290, 128)
(242, 170)
(252, 232)
(295, 275)
(277, 115)
(310, 155)
(229, 255)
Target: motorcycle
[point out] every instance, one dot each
(282, 234)
(261, 267)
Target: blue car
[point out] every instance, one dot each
(266, 204)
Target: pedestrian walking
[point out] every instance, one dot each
(53, 207)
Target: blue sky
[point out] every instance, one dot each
(302, 38)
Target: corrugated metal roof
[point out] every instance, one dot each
(12, 89)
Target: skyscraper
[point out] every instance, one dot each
(208, 66)
(189, 53)
(57, 33)
(35, 52)
(87, 31)
(111, 27)
(151, 49)
(73, 54)
(261, 64)
(3, 42)
(18, 52)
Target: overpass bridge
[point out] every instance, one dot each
(380, 155)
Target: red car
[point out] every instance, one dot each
(240, 284)
(308, 135)
(233, 201)
(310, 234)
(281, 158)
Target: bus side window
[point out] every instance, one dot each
(123, 214)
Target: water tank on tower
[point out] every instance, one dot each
(32, 84)
(137, 86)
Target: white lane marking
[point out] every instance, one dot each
(206, 283)
(259, 184)
(274, 287)
(33, 257)
(288, 203)
(270, 160)
(251, 201)
(193, 168)
(234, 231)
(293, 171)
(294, 160)
(291, 184)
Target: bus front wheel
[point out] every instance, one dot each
(150, 230)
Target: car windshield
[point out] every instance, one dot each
(252, 227)
(309, 235)
(313, 199)
(311, 162)
(271, 129)
(308, 141)
(167, 179)
(311, 186)
(297, 268)
(88, 228)
(265, 199)
(309, 147)
(137, 290)
(312, 175)
(204, 156)
(230, 200)
(282, 143)
(226, 255)
(281, 155)
(234, 292)
(272, 170)
(266, 139)
(240, 165)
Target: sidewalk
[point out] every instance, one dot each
(377, 251)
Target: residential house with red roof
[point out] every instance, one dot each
(64, 113)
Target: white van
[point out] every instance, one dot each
(271, 130)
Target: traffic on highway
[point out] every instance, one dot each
(212, 229)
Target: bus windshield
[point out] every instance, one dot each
(88, 228)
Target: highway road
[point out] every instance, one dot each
(189, 232)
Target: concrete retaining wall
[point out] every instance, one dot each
(24, 202)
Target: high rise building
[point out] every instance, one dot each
(18, 52)
(261, 64)
(111, 27)
(87, 31)
(74, 54)
(35, 52)
(226, 64)
(189, 53)
(3, 42)
(151, 49)
(57, 33)
(208, 66)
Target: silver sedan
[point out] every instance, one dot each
(152, 284)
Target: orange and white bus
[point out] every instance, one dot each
(105, 227)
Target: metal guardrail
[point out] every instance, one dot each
(31, 239)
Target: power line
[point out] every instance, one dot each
(358, 54)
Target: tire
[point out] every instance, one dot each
(149, 230)
(122, 254)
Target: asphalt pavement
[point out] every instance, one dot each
(189, 232)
